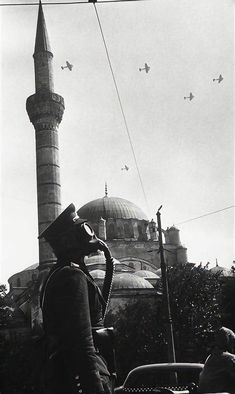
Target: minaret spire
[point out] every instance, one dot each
(42, 40)
(45, 109)
(42, 56)
(106, 189)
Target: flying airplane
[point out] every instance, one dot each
(220, 79)
(145, 68)
(68, 65)
(125, 168)
(190, 97)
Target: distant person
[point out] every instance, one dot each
(218, 374)
(73, 311)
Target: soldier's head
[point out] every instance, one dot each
(225, 339)
(68, 235)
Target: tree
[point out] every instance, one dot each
(195, 295)
(3, 292)
(195, 307)
(22, 356)
(139, 339)
(6, 312)
(228, 302)
(21, 367)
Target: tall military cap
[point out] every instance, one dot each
(67, 231)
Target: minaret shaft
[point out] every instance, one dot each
(45, 109)
(43, 71)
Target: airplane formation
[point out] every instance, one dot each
(191, 96)
(146, 68)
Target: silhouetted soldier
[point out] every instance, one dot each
(73, 308)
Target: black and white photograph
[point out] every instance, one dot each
(117, 252)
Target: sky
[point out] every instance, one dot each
(184, 149)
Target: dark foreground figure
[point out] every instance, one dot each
(218, 374)
(73, 309)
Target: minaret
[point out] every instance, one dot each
(45, 109)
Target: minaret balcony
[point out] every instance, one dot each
(45, 105)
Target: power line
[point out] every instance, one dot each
(121, 106)
(69, 3)
(206, 214)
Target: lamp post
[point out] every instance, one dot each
(166, 298)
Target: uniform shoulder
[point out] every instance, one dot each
(229, 357)
(71, 269)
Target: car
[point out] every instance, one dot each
(161, 378)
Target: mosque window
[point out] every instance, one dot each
(18, 282)
(119, 232)
(127, 231)
(140, 231)
(111, 231)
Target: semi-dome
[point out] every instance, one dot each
(222, 270)
(159, 272)
(96, 259)
(97, 274)
(110, 208)
(130, 281)
(146, 274)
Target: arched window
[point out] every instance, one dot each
(18, 282)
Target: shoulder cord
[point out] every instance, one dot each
(106, 289)
(46, 284)
(108, 282)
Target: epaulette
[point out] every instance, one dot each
(74, 265)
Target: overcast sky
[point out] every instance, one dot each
(184, 149)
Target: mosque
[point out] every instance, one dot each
(131, 236)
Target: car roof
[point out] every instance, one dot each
(163, 366)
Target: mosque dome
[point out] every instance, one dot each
(32, 267)
(97, 259)
(111, 208)
(222, 270)
(146, 274)
(130, 281)
(97, 274)
(159, 272)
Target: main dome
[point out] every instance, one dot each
(110, 208)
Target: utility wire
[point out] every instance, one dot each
(206, 214)
(68, 3)
(121, 106)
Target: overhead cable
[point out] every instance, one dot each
(206, 214)
(69, 2)
(121, 106)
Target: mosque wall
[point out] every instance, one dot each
(21, 279)
(122, 297)
(137, 250)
